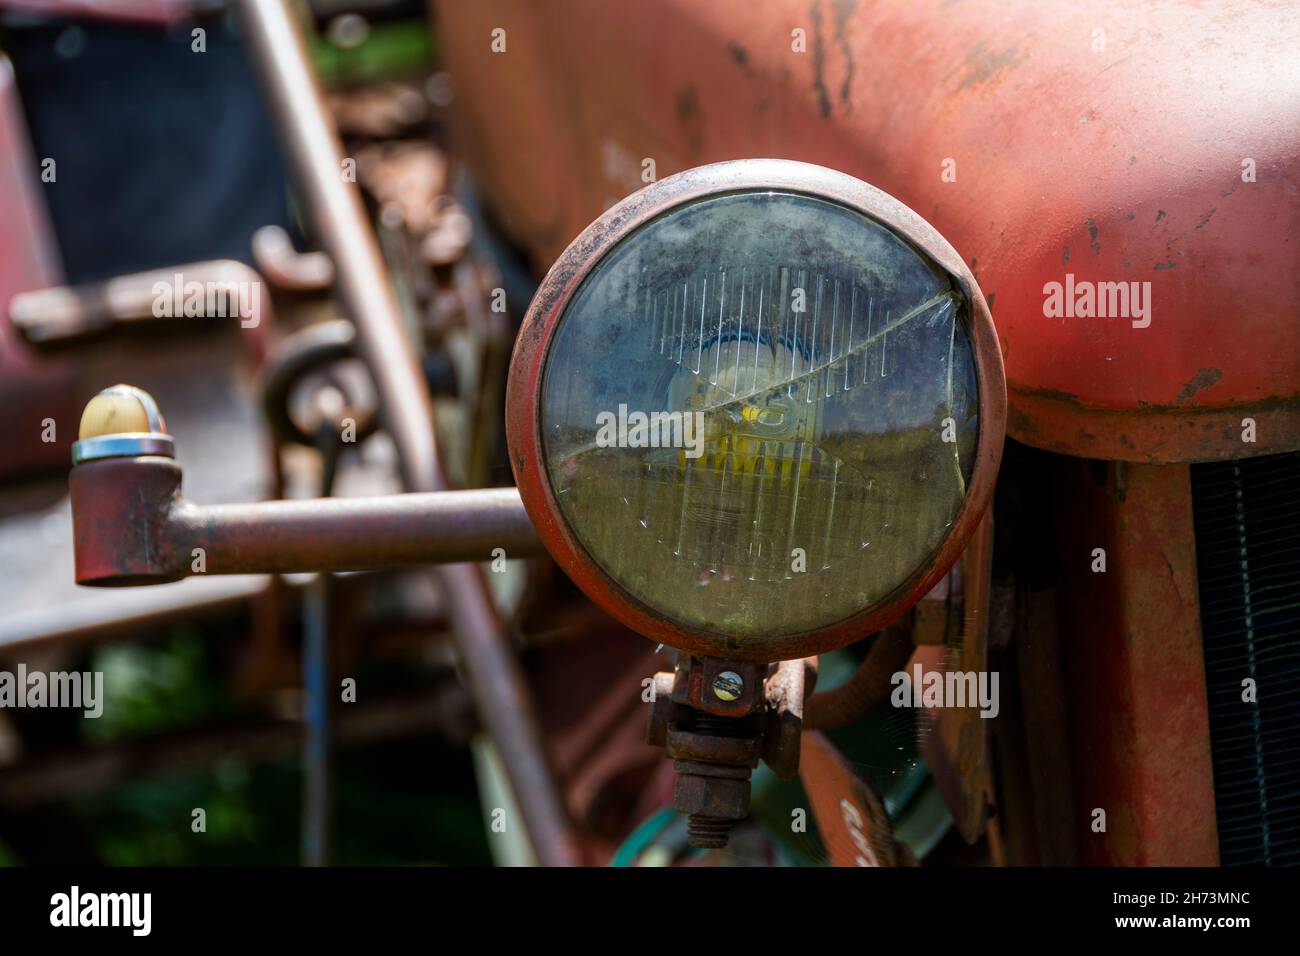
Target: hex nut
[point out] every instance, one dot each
(716, 797)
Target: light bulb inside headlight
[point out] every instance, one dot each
(759, 414)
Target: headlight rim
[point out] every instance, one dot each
(580, 259)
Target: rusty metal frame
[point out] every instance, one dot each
(132, 526)
(334, 208)
(528, 365)
(1065, 425)
(1139, 718)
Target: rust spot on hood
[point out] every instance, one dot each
(1202, 380)
(984, 65)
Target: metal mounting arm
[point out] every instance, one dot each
(132, 526)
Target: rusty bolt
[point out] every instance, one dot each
(712, 794)
(711, 748)
(714, 797)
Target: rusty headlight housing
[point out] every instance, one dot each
(756, 409)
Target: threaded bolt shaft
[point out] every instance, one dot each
(708, 833)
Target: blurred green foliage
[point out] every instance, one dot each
(397, 802)
(390, 50)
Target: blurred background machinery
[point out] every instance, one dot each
(145, 142)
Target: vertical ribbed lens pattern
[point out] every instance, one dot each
(759, 414)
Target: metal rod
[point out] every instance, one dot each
(318, 695)
(68, 313)
(353, 534)
(315, 154)
(131, 525)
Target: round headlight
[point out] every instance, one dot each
(756, 409)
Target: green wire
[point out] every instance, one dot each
(642, 837)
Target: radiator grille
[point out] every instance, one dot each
(1248, 557)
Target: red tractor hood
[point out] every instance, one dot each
(1152, 148)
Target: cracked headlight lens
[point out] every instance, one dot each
(759, 414)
